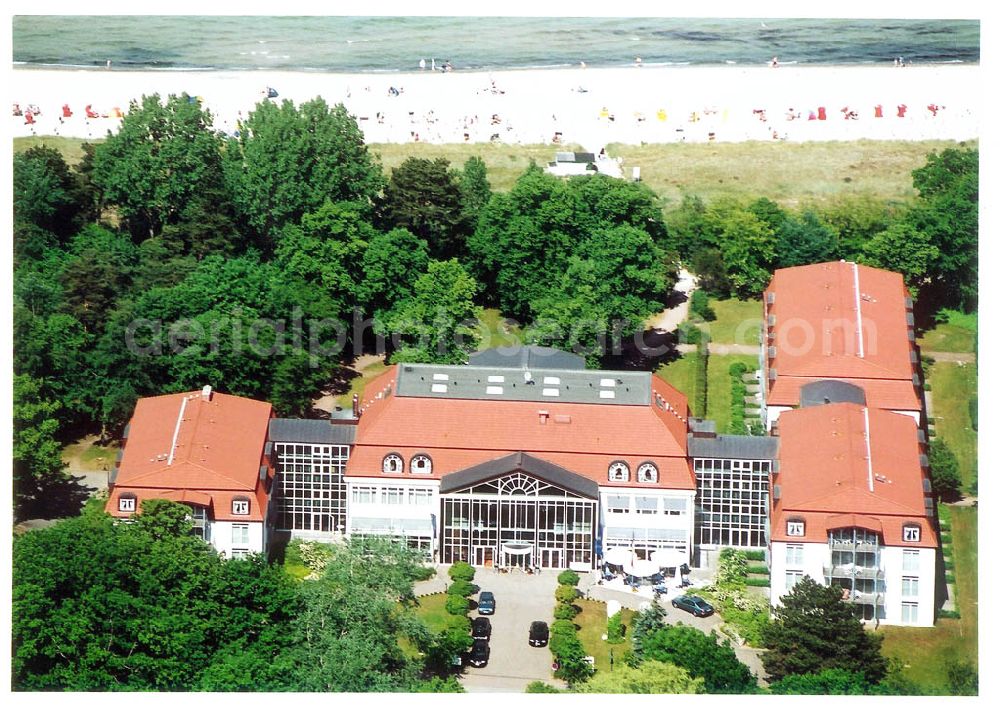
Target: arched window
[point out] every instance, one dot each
(241, 506)
(647, 473)
(126, 502)
(618, 471)
(392, 464)
(420, 464)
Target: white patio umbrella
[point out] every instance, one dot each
(642, 568)
(618, 556)
(669, 558)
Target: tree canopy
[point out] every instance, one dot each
(701, 656)
(650, 677)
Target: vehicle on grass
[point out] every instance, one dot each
(538, 634)
(480, 653)
(481, 628)
(693, 604)
(487, 603)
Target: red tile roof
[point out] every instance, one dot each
(816, 325)
(825, 478)
(218, 503)
(584, 438)
(217, 447)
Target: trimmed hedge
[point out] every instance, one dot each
(701, 378)
(759, 569)
(456, 605)
(754, 555)
(567, 594)
(462, 588)
(616, 630)
(565, 612)
(569, 577)
(699, 306)
(461, 570)
(948, 614)
(759, 582)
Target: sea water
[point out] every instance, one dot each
(393, 44)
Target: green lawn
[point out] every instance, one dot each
(368, 373)
(430, 610)
(498, 334)
(680, 373)
(85, 455)
(956, 335)
(735, 321)
(924, 651)
(71, 148)
(720, 394)
(952, 385)
(791, 174)
(593, 622)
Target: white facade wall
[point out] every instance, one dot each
(814, 556)
(773, 412)
(377, 498)
(915, 414)
(660, 520)
(222, 535)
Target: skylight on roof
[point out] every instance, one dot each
(439, 388)
(495, 379)
(550, 392)
(440, 376)
(607, 382)
(551, 380)
(607, 394)
(494, 390)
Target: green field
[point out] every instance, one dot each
(791, 174)
(720, 396)
(924, 651)
(952, 385)
(85, 455)
(735, 321)
(430, 610)
(593, 622)
(368, 373)
(680, 373)
(494, 333)
(957, 334)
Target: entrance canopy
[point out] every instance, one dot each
(618, 556)
(517, 548)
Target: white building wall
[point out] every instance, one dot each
(379, 508)
(915, 414)
(817, 555)
(660, 520)
(773, 412)
(221, 533)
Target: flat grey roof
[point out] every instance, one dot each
(527, 357)
(540, 468)
(733, 447)
(469, 382)
(283, 429)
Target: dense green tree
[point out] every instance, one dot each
(838, 682)
(902, 248)
(805, 239)
(946, 475)
(855, 219)
(298, 379)
(688, 227)
(711, 270)
(45, 192)
(390, 266)
(97, 274)
(814, 629)
(290, 160)
(540, 687)
(963, 678)
(435, 324)
(424, 197)
(650, 677)
(702, 656)
(38, 464)
(747, 246)
(159, 263)
(162, 158)
(474, 187)
(768, 212)
(645, 624)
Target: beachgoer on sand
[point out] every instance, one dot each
(423, 64)
(774, 62)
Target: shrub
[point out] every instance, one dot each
(701, 378)
(456, 605)
(945, 538)
(565, 612)
(562, 627)
(423, 573)
(616, 630)
(461, 570)
(974, 412)
(738, 369)
(699, 306)
(540, 687)
(461, 588)
(754, 555)
(567, 593)
(759, 582)
(569, 577)
(733, 566)
(948, 614)
(759, 569)
(949, 578)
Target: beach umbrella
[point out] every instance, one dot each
(642, 568)
(618, 556)
(668, 557)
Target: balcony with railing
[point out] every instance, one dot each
(859, 572)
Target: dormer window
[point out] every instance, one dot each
(795, 528)
(911, 533)
(126, 503)
(618, 471)
(420, 464)
(392, 464)
(241, 506)
(647, 473)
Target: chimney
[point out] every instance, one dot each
(206, 393)
(354, 406)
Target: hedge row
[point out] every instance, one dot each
(564, 644)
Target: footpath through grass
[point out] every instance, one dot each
(925, 651)
(593, 622)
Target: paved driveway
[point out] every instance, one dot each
(521, 599)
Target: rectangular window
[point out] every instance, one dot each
(363, 495)
(241, 534)
(796, 528)
(240, 553)
(911, 561)
(392, 495)
(126, 503)
(793, 555)
(241, 507)
(645, 504)
(618, 504)
(911, 587)
(792, 577)
(911, 533)
(909, 612)
(420, 497)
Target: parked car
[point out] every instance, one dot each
(693, 604)
(481, 628)
(538, 634)
(480, 653)
(487, 603)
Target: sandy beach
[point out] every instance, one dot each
(591, 107)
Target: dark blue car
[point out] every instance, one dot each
(487, 603)
(693, 604)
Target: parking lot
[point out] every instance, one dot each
(521, 599)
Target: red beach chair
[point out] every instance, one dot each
(822, 113)
(878, 111)
(67, 112)
(29, 118)
(91, 113)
